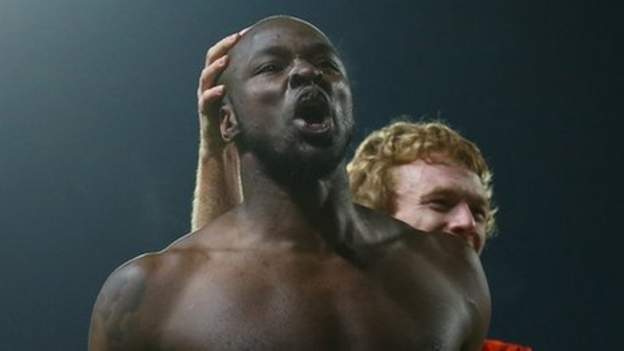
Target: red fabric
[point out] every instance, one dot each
(497, 345)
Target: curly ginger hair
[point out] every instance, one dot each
(403, 142)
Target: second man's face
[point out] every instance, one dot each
(442, 197)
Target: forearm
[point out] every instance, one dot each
(217, 185)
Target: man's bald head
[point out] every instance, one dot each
(287, 94)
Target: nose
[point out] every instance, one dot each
(304, 73)
(462, 223)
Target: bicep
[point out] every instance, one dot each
(114, 322)
(465, 274)
(477, 298)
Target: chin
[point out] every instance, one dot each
(320, 168)
(295, 158)
(323, 160)
(306, 163)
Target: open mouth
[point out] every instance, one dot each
(312, 112)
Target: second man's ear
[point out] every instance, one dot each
(228, 124)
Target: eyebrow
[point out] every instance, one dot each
(274, 50)
(321, 47)
(315, 48)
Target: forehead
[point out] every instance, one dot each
(422, 177)
(283, 35)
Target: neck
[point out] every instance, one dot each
(312, 214)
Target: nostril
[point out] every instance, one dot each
(304, 73)
(295, 80)
(300, 78)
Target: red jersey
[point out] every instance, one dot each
(497, 345)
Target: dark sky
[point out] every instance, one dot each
(98, 143)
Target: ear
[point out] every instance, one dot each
(228, 123)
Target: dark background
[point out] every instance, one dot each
(98, 141)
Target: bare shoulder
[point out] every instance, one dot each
(451, 270)
(442, 254)
(460, 265)
(441, 262)
(133, 300)
(391, 236)
(379, 228)
(115, 322)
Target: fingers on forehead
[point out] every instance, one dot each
(222, 47)
(210, 72)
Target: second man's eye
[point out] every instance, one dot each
(479, 215)
(440, 205)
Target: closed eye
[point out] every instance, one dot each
(479, 214)
(269, 67)
(439, 205)
(328, 65)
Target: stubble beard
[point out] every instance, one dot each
(293, 160)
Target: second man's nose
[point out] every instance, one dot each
(462, 222)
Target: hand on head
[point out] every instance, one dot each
(218, 187)
(209, 94)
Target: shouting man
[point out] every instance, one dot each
(297, 266)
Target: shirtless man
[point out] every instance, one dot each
(297, 266)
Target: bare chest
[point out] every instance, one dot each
(276, 304)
